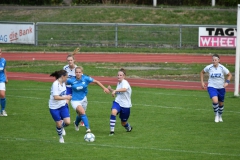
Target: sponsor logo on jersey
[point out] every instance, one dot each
(216, 75)
(80, 87)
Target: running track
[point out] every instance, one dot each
(119, 57)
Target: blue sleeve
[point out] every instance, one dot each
(89, 79)
(69, 81)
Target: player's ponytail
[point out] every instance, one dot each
(74, 52)
(58, 74)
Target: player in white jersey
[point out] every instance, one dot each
(216, 85)
(79, 96)
(3, 82)
(58, 103)
(122, 103)
(70, 68)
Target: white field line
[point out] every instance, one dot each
(139, 92)
(134, 104)
(121, 147)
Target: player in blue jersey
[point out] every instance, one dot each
(216, 85)
(122, 103)
(79, 96)
(3, 82)
(70, 68)
(58, 103)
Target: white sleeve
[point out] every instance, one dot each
(55, 89)
(125, 84)
(225, 70)
(206, 69)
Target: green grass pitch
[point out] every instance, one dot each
(167, 124)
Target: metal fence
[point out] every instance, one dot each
(119, 35)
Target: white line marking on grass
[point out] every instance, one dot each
(123, 147)
(36, 98)
(28, 89)
(26, 97)
(143, 92)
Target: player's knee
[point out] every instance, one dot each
(67, 123)
(80, 110)
(114, 112)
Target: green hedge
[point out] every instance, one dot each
(31, 2)
(226, 3)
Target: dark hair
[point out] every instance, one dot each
(58, 74)
(216, 55)
(124, 71)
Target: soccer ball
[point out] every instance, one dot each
(89, 137)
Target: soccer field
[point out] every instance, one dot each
(167, 124)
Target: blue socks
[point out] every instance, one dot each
(85, 120)
(3, 103)
(78, 119)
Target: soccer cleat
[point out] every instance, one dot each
(129, 129)
(61, 140)
(220, 118)
(3, 113)
(76, 127)
(216, 118)
(64, 132)
(81, 123)
(111, 133)
(88, 130)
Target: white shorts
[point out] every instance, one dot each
(2, 86)
(82, 103)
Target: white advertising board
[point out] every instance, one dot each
(17, 33)
(217, 37)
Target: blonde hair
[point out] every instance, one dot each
(79, 67)
(74, 52)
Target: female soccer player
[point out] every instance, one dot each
(3, 82)
(70, 68)
(122, 103)
(58, 103)
(216, 85)
(79, 96)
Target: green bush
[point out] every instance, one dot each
(226, 3)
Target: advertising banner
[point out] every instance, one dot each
(217, 37)
(17, 33)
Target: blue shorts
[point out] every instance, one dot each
(60, 113)
(220, 93)
(124, 113)
(69, 90)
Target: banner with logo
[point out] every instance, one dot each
(17, 33)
